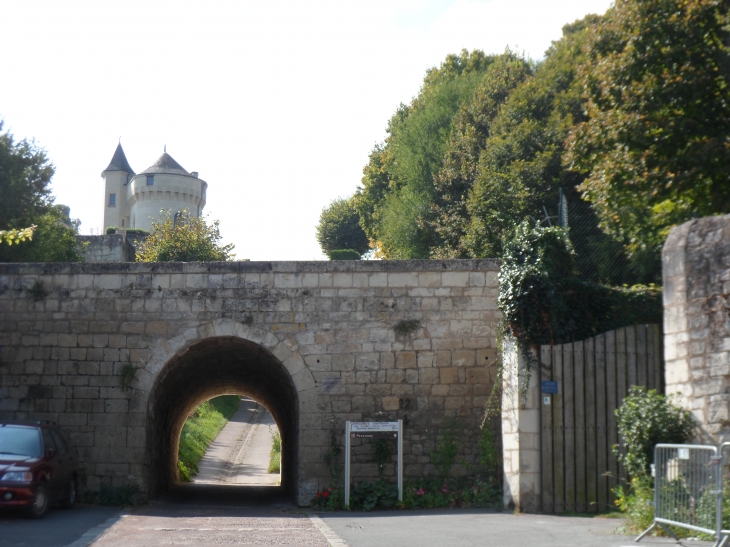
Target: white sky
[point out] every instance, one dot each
(276, 104)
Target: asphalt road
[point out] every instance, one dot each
(259, 516)
(59, 528)
(478, 528)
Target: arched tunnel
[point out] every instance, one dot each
(208, 368)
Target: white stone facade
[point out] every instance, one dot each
(136, 200)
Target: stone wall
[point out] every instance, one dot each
(106, 248)
(520, 432)
(87, 345)
(696, 266)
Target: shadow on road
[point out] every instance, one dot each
(225, 495)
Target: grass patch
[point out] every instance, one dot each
(275, 459)
(201, 427)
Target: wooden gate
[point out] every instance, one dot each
(578, 423)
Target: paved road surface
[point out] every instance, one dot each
(240, 453)
(474, 528)
(59, 529)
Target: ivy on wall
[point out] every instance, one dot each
(543, 302)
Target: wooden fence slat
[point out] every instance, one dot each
(601, 441)
(621, 386)
(611, 425)
(546, 438)
(590, 414)
(641, 368)
(651, 378)
(658, 356)
(631, 355)
(569, 426)
(580, 429)
(558, 442)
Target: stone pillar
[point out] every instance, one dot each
(520, 432)
(696, 271)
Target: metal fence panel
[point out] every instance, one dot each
(687, 488)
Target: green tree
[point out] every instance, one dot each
(25, 177)
(455, 180)
(520, 170)
(54, 240)
(339, 228)
(395, 200)
(182, 237)
(26, 201)
(655, 149)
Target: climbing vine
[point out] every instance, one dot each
(543, 301)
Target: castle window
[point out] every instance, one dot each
(150, 180)
(112, 200)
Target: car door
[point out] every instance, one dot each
(50, 454)
(65, 462)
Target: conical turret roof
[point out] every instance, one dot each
(165, 164)
(119, 162)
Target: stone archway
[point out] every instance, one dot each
(221, 358)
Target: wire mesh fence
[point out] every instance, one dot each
(688, 489)
(599, 257)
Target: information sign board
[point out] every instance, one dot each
(549, 386)
(373, 426)
(373, 430)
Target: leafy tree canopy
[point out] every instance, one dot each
(182, 237)
(394, 202)
(520, 169)
(25, 177)
(473, 124)
(339, 228)
(32, 229)
(655, 149)
(54, 240)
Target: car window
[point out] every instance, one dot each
(60, 442)
(20, 441)
(48, 440)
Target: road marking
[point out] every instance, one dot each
(329, 534)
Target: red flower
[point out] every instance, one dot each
(326, 494)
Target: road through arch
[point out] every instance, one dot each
(207, 368)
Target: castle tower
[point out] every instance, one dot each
(116, 177)
(164, 185)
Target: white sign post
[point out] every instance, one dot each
(373, 430)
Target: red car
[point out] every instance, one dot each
(38, 467)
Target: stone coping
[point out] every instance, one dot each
(70, 268)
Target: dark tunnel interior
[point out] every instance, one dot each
(206, 369)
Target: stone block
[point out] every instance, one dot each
(406, 359)
(391, 403)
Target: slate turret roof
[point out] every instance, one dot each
(119, 162)
(165, 164)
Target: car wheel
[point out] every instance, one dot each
(70, 499)
(39, 507)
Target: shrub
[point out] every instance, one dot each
(344, 254)
(646, 419)
(275, 456)
(114, 229)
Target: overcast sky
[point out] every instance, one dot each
(276, 104)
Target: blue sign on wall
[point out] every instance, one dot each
(549, 386)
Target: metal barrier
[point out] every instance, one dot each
(723, 533)
(688, 489)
